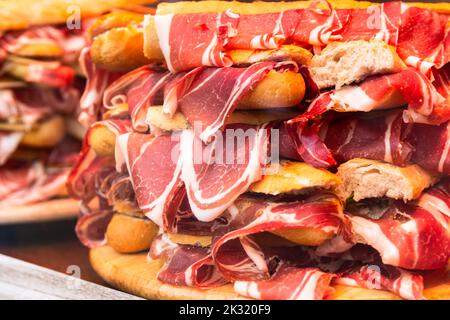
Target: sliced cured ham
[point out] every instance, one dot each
(319, 27)
(91, 228)
(9, 141)
(154, 165)
(216, 92)
(82, 179)
(264, 31)
(191, 266)
(202, 41)
(411, 236)
(431, 146)
(216, 174)
(289, 283)
(374, 23)
(385, 137)
(403, 283)
(97, 80)
(139, 89)
(375, 137)
(16, 177)
(88, 179)
(46, 186)
(424, 39)
(30, 104)
(238, 257)
(188, 41)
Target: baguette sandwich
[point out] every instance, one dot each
(286, 151)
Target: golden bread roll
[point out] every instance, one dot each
(127, 234)
(102, 140)
(47, 133)
(295, 177)
(276, 90)
(119, 49)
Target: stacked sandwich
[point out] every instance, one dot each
(40, 89)
(292, 150)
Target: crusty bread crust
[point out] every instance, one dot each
(21, 14)
(295, 177)
(119, 49)
(102, 140)
(127, 234)
(280, 89)
(115, 19)
(287, 52)
(363, 178)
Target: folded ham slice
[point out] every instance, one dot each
(289, 283)
(413, 235)
(154, 165)
(381, 277)
(97, 80)
(9, 141)
(216, 174)
(239, 257)
(410, 87)
(215, 93)
(191, 266)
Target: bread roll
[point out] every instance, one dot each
(276, 90)
(127, 234)
(45, 134)
(102, 140)
(119, 49)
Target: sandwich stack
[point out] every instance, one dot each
(283, 149)
(40, 89)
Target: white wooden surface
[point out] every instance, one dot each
(23, 280)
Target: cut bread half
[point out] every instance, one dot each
(364, 179)
(343, 63)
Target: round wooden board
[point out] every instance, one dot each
(52, 210)
(133, 273)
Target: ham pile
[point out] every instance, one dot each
(38, 85)
(273, 232)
